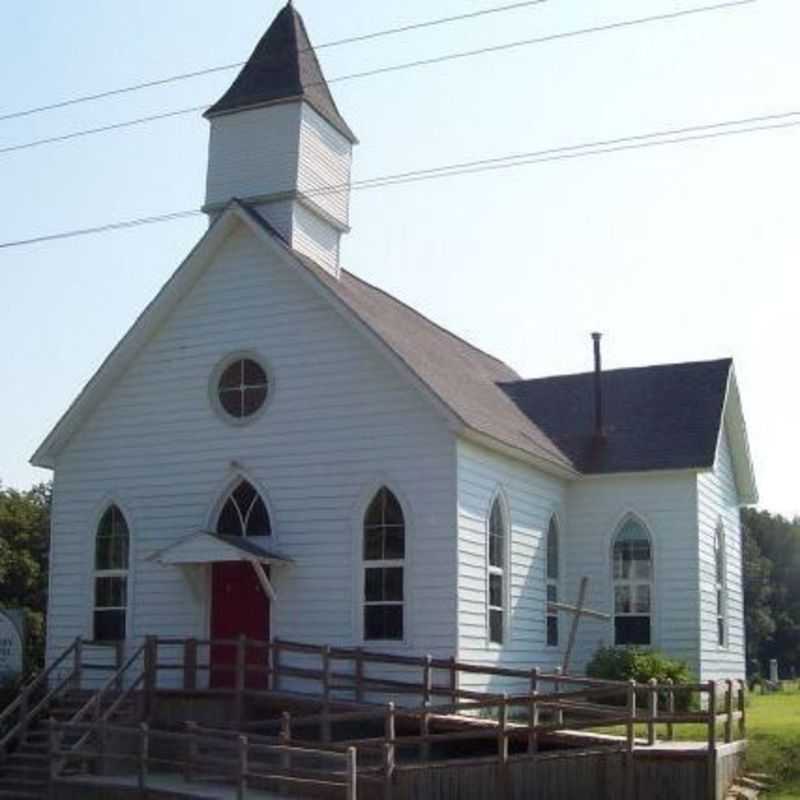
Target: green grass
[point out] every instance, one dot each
(773, 732)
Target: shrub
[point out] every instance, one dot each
(633, 663)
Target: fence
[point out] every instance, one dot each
(199, 755)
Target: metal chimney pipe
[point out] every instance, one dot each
(598, 386)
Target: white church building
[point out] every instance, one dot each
(277, 448)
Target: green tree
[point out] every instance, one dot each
(778, 541)
(24, 549)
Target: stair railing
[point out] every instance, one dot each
(21, 706)
(95, 703)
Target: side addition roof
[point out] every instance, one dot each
(283, 66)
(654, 418)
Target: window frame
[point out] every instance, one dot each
(499, 499)
(549, 582)
(216, 375)
(228, 495)
(633, 583)
(111, 572)
(721, 586)
(381, 563)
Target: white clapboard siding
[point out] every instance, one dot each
(666, 503)
(281, 152)
(718, 502)
(340, 420)
(324, 161)
(531, 499)
(254, 152)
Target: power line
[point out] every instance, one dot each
(599, 147)
(397, 67)
(224, 67)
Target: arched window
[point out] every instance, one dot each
(111, 576)
(244, 513)
(384, 551)
(719, 571)
(552, 582)
(633, 585)
(496, 572)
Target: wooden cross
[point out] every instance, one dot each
(577, 612)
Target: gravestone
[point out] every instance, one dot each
(773, 670)
(12, 643)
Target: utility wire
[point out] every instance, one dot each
(224, 67)
(396, 67)
(599, 147)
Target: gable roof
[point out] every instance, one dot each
(461, 380)
(657, 417)
(283, 66)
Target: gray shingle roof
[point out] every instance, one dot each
(658, 417)
(283, 66)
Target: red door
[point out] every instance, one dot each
(238, 606)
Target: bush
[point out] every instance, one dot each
(633, 663)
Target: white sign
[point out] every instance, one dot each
(11, 645)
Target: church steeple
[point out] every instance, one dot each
(279, 142)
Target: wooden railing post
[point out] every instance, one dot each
(388, 752)
(424, 730)
(24, 707)
(77, 663)
(557, 690)
(144, 754)
(286, 756)
(670, 709)
(191, 751)
(711, 773)
(190, 664)
(102, 747)
(427, 679)
(652, 710)
(388, 771)
(630, 774)
(238, 703)
(275, 649)
(729, 710)
(502, 748)
(241, 776)
(453, 679)
(741, 704)
(150, 669)
(352, 774)
(326, 694)
(119, 660)
(533, 712)
(359, 674)
(52, 758)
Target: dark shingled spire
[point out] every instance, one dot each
(283, 66)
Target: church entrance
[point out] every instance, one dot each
(238, 607)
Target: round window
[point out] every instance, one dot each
(242, 388)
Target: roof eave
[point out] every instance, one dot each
(135, 337)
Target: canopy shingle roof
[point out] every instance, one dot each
(283, 66)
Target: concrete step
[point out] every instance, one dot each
(739, 792)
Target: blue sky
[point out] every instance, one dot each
(678, 253)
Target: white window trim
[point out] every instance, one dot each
(552, 581)
(112, 573)
(365, 564)
(500, 497)
(721, 587)
(216, 374)
(633, 582)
